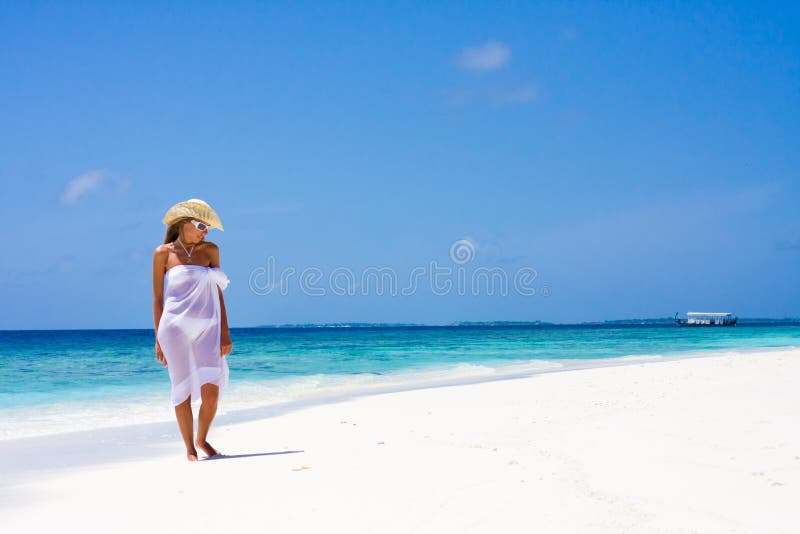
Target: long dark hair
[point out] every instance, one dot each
(174, 230)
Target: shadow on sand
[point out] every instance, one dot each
(232, 456)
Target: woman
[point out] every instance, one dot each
(192, 335)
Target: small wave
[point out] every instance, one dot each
(640, 357)
(154, 407)
(128, 408)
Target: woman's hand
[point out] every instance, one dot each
(225, 343)
(160, 355)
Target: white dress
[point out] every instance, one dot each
(190, 328)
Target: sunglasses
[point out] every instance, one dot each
(199, 225)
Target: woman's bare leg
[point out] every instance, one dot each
(183, 412)
(210, 395)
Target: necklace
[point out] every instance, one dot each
(188, 254)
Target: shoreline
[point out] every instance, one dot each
(136, 440)
(344, 387)
(102, 380)
(401, 381)
(704, 444)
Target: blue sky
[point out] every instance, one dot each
(641, 158)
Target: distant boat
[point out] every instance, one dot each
(707, 319)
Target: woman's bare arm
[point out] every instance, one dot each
(225, 334)
(160, 256)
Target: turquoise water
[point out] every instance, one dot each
(55, 381)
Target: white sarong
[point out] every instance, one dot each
(190, 328)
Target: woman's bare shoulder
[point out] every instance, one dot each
(210, 246)
(162, 250)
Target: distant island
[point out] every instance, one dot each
(655, 321)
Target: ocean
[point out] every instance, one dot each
(70, 380)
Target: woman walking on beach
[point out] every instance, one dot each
(191, 323)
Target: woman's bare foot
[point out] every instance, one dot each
(208, 449)
(191, 455)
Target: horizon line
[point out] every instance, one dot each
(355, 324)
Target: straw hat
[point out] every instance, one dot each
(194, 208)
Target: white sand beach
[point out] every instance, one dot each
(692, 445)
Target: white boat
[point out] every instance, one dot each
(707, 319)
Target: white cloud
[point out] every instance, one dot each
(497, 95)
(490, 56)
(90, 182)
(517, 94)
(459, 97)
